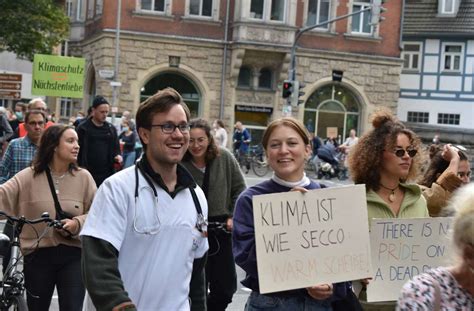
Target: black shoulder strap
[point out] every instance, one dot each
(57, 206)
(205, 183)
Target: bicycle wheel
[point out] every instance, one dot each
(260, 168)
(18, 304)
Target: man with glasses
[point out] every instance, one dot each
(34, 104)
(99, 142)
(20, 151)
(19, 154)
(145, 234)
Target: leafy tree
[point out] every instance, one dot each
(29, 27)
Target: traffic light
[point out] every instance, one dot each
(287, 88)
(297, 93)
(375, 12)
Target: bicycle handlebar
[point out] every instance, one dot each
(44, 218)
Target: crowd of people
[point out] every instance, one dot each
(163, 230)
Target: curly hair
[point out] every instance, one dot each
(212, 150)
(365, 158)
(437, 165)
(50, 139)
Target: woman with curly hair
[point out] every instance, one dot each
(449, 169)
(384, 160)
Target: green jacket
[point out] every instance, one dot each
(413, 205)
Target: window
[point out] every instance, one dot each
(153, 5)
(90, 8)
(447, 7)
(69, 8)
(64, 48)
(4, 102)
(360, 22)
(318, 12)
(268, 10)
(448, 118)
(411, 56)
(66, 107)
(200, 7)
(265, 79)
(245, 77)
(99, 4)
(452, 56)
(418, 117)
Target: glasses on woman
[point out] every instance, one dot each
(400, 152)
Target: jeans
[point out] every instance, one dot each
(128, 158)
(260, 302)
(221, 276)
(58, 266)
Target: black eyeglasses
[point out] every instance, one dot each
(400, 152)
(169, 128)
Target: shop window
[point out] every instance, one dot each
(265, 79)
(245, 77)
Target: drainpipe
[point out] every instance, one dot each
(402, 20)
(224, 61)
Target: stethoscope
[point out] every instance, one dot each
(201, 223)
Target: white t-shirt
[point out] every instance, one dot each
(221, 137)
(155, 267)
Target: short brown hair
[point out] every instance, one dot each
(289, 122)
(34, 111)
(162, 101)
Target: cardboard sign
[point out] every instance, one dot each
(303, 239)
(404, 248)
(331, 132)
(58, 76)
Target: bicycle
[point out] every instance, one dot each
(217, 227)
(255, 158)
(13, 283)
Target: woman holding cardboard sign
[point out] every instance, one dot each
(384, 159)
(287, 147)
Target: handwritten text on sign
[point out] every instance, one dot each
(404, 248)
(317, 237)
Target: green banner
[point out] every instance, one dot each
(58, 76)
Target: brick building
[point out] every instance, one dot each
(228, 58)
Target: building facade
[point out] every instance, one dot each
(228, 58)
(437, 81)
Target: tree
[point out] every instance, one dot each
(29, 27)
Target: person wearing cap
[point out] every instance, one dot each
(99, 142)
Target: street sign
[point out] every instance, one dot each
(106, 73)
(10, 86)
(10, 77)
(115, 83)
(10, 94)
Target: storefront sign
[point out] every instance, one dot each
(243, 108)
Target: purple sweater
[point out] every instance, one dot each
(243, 237)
